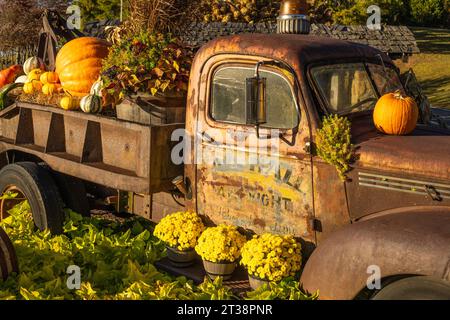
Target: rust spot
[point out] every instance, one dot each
(260, 222)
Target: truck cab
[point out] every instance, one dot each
(267, 178)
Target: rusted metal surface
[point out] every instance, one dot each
(330, 203)
(272, 197)
(415, 243)
(294, 7)
(374, 191)
(109, 152)
(165, 203)
(214, 184)
(424, 153)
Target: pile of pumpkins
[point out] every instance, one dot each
(77, 75)
(36, 79)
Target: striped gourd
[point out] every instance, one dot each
(91, 104)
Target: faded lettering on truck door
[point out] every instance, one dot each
(262, 184)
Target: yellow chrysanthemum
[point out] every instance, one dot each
(180, 230)
(272, 257)
(221, 243)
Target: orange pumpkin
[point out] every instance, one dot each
(396, 114)
(79, 63)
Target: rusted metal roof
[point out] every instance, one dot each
(292, 48)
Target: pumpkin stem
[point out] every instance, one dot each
(398, 95)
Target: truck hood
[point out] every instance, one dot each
(425, 152)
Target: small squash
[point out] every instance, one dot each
(97, 88)
(91, 104)
(49, 77)
(28, 88)
(37, 85)
(5, 99)
(69, 103)
(35, 75)
(32, 64)
(396, 114)
(50, 89)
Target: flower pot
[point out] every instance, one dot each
(219, 269)
(181, 259)
(256, 283)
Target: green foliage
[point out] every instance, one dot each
(116, 262)
(288, 289)
(147, 62)
(429, 12)
(94, 10)
(334, 143)
(355, 12)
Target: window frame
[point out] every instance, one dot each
(293, 86)
(323, 100)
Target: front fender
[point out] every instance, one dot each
(404, 243)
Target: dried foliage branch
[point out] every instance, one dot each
(158, 15)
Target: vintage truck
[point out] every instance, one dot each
(392, 216)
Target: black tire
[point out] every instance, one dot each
(40, 190)
(415, 288)
(73, 193)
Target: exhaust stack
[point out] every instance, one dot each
(294, 18)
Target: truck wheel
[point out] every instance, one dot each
(415, 288)
(73, 193)
(32, 183)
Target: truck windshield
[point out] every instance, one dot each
(347, 88)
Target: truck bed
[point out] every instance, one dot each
(107, 151)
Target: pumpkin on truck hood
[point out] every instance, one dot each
(425, 152)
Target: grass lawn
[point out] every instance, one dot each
(432, 65)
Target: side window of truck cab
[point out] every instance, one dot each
(228, 102)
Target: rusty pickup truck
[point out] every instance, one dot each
(261, 98)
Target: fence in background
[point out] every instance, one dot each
(16, 56)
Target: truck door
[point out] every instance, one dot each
(263, 183)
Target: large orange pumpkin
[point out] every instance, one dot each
(79, 62)
(396, 114)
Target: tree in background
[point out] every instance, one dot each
(430, 12)
(20, 21)
(94, 10)
(393, 12)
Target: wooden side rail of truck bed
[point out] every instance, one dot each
(106, 151)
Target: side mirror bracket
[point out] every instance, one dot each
(256, 99)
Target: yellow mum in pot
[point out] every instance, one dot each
(221, 243)
(272, 257)
(180, 230)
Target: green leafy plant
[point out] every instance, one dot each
(287, 289)
(147, 62)
(115, 259)
(333, 143)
